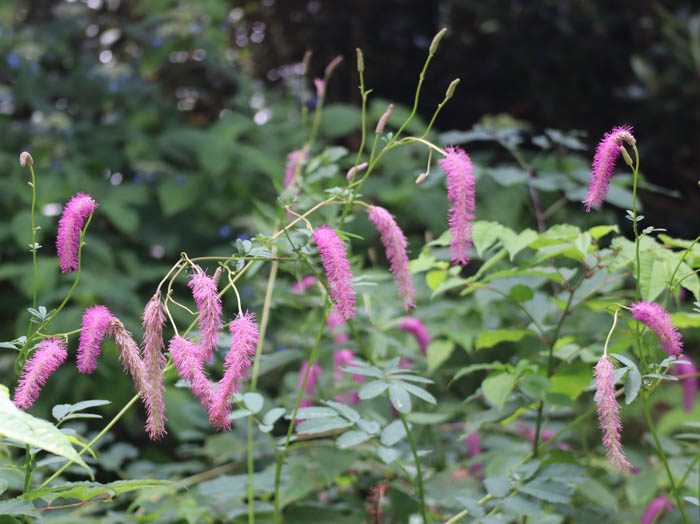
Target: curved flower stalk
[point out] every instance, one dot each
(69, 227)
(414, 326)
(154, 362)
(608, 413)
(690, 384)
(341, 358)
(659, 321)
(395, 245)
(186, 357)
(337, 268)
(604, 163)
(206, 296)
(94, 325)
(655, 508)
(50, 354)
(460, 191)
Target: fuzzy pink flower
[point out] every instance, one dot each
(69, 228)
(129, 352)
(312, 380)
(395, 245)
(295, 160)
(460, 191)
(414, 326)
(473, 445)
(50, 354)
(654, 508)
(608, 413)
(186, 357)
(154, 361)
(93, 329)
(528, 432)
(244, 338)
(341, 358)
(335, 320)
(304, 284)
(659, 321)
(604, 164)
(206, 296)
(337, 267)
(690, 384)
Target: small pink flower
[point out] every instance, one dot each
(608, 413)
(93, 329)
(414, 326)
(320, 88)
(186, 357)
(312, 380)
(654, 508)
(295, 160)
(154, 361)
(473, 445)
(355, 169)
(659, 321)
(304, 284)
(206, 296)
(604, 164)
(337, 267)
(50, 354)
(395, 245)
(69, 228)
(341, 358)
(335, 320)
(690, 384)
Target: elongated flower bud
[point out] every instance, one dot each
(690, 384)
(320, 88)
(25, 159)
(206, 296)
(604, 163)
(654, 508)
(294, 159)
(129, 352)
(93, 329)
(244, 338)
(451, 89)
(360, 61)
(659, 321)
(50, 354)
(337, 268)
(69, 227)
(355, 169)
(186, 357)
(395, 245)
(608, 413)
(436, 40)
(460, 191)
(414, 326)
(383, 119)
(154, 361)
(332, 65)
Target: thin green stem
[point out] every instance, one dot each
(419, 473)
(36, 272)
(27, 469)
(671, 283)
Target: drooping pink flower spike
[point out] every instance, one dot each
(208, 301)
(604, 163)
(414, 326)
(460, 191)
(129, 353)
(50, 354)
(395, 245)
(473, 445)
(295, 160)
(335, 263)
(654, 508)
(69, 228)
(186, 357)
(659, 321)
(341, 358)
(93, 330)
(154, 362)
(685, 366)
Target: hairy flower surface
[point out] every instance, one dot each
(608, 413)
(414, 326)
(659, 321)
(690, 384)
(206, 296)
(154, 361)
(395, 245)
(244, 338)
(69, 227)
(93, 330)
(337, 268)
(654, 508)
(186, 357)
(604, 163)
(460, 191)
(129, 352)
(50, 354)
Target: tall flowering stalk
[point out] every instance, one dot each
(94, 325)
(337, 268)
(604, 163)
(154, 361)
(414, 326)
(690, 384)
(608, 413)
(659, 321)
(460, 191)
(69, 227)
(50, 354)
(206, 296)
(186, 357)
(395, 245)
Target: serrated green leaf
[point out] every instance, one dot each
(373, 389)
(497, 486)
(392, 433)
(419, 392)
(272, 416)
(89, 490)
(351, 438)
(399, 398)
(59, 411)
(253, 401)
(497, 387)
(17, 507)
(548, 490)
(312, 412)
(571, 379)
(435, 278)
(632, 383)
(490, 338)
(322, 425)
(438, 352)
(521, 506)
(388, 455)
(345, 410)
(521, 293)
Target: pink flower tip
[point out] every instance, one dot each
(337, 267)
(659, 321)
(604, 164)
(685, 366)
(69, 228)
(414, 326)
(94, 325)
(50, 354)
(461, 192)
(654, 508)
(312, 379)
(304, 284)
(206, 296)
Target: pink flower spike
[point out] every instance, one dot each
(604, 164)
(294, 161)
(659, 321)
(206, 296)
(395, 245)
(690, 384)
(154, 361)
(186, 357)
(129, 353)
(473, 445)
(460, 191)
(335, 263)
(69, 228)
(304, 284)
(244, 338)
(608, 413)
(93, 329)
(355, 169)
(50, 354)
(335, 320)
(320, 88)
(654, 508)
(312, 380)
(414, 326)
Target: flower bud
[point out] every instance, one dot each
(451, 89)
(25, 159)
(382, 121)
(421, 177)
(626, 156)
(356, 169)
(332, 65)
(436, 40)
(360, 61)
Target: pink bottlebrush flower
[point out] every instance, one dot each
(654, 508)
(93, 329)
(690, 384)
(244, 338)
(473, 445)
(50, 354)
(604, 164)
(460, 191)
(304, 284)
(25, 159)
(355, 169)
(335, 320)
(312, 380)
(395, 245)
(608, 413)
(154, 361)
(129, 352)
(69, 228)
(337, 267)
(295, 160)
(659, 321)
(206, 296)
(340, 359)
(414, 326)
(186, 357)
